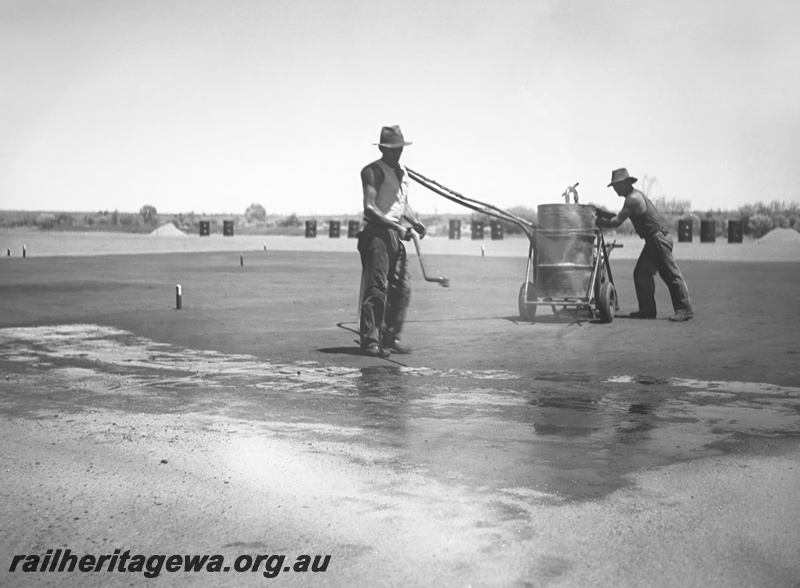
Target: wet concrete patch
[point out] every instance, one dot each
(545, 436)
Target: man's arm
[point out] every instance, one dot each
(371, 210)
(632, 202)
(411, 217)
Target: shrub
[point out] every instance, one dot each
(65, 219)
(782, 221)
(760, 225)
(46, 221)
(290, 221)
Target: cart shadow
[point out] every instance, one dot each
(551, 320)
(341, 350)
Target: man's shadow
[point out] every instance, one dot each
(356, 350)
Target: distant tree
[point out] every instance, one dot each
(65, 219)
(672, 206)
(255, 213)
(46, 221)
(509, 228)
(649, 187)
(149, 214)
(652, 189)
(760, 225)
(290, 221)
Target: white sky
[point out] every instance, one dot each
(211, 105)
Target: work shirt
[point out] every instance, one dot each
(392, 192)
(649, 222)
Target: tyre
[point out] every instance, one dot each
(607, 302)
(526, 311)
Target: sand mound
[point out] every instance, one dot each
(167, 230)
(781, 236)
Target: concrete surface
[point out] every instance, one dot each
(499, 453)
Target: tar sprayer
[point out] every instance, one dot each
(564, 249)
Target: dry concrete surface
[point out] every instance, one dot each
(558, 452)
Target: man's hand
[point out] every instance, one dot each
(420, 229)
(604, 213)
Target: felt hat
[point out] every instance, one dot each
(621, 175)
(392, 137)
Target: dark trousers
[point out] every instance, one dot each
(385, 284)
(657, 258)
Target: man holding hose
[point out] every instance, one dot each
(385, 281)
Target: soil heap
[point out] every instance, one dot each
(167, 230)
(780, 236)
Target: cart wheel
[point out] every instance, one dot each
(607, 302)
(601, 279)
(527, 312)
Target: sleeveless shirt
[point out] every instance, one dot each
(649, 222)
(392, 192)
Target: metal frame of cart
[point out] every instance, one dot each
(599, 297)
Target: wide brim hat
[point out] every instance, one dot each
(621, 175)
(392, 137)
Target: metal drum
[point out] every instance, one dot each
(455, 229)
(685, 231)
(497, 230)
(564, 249)
(352, 229)
(735, 231)
(708, 231)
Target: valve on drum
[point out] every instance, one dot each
(571, 192)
